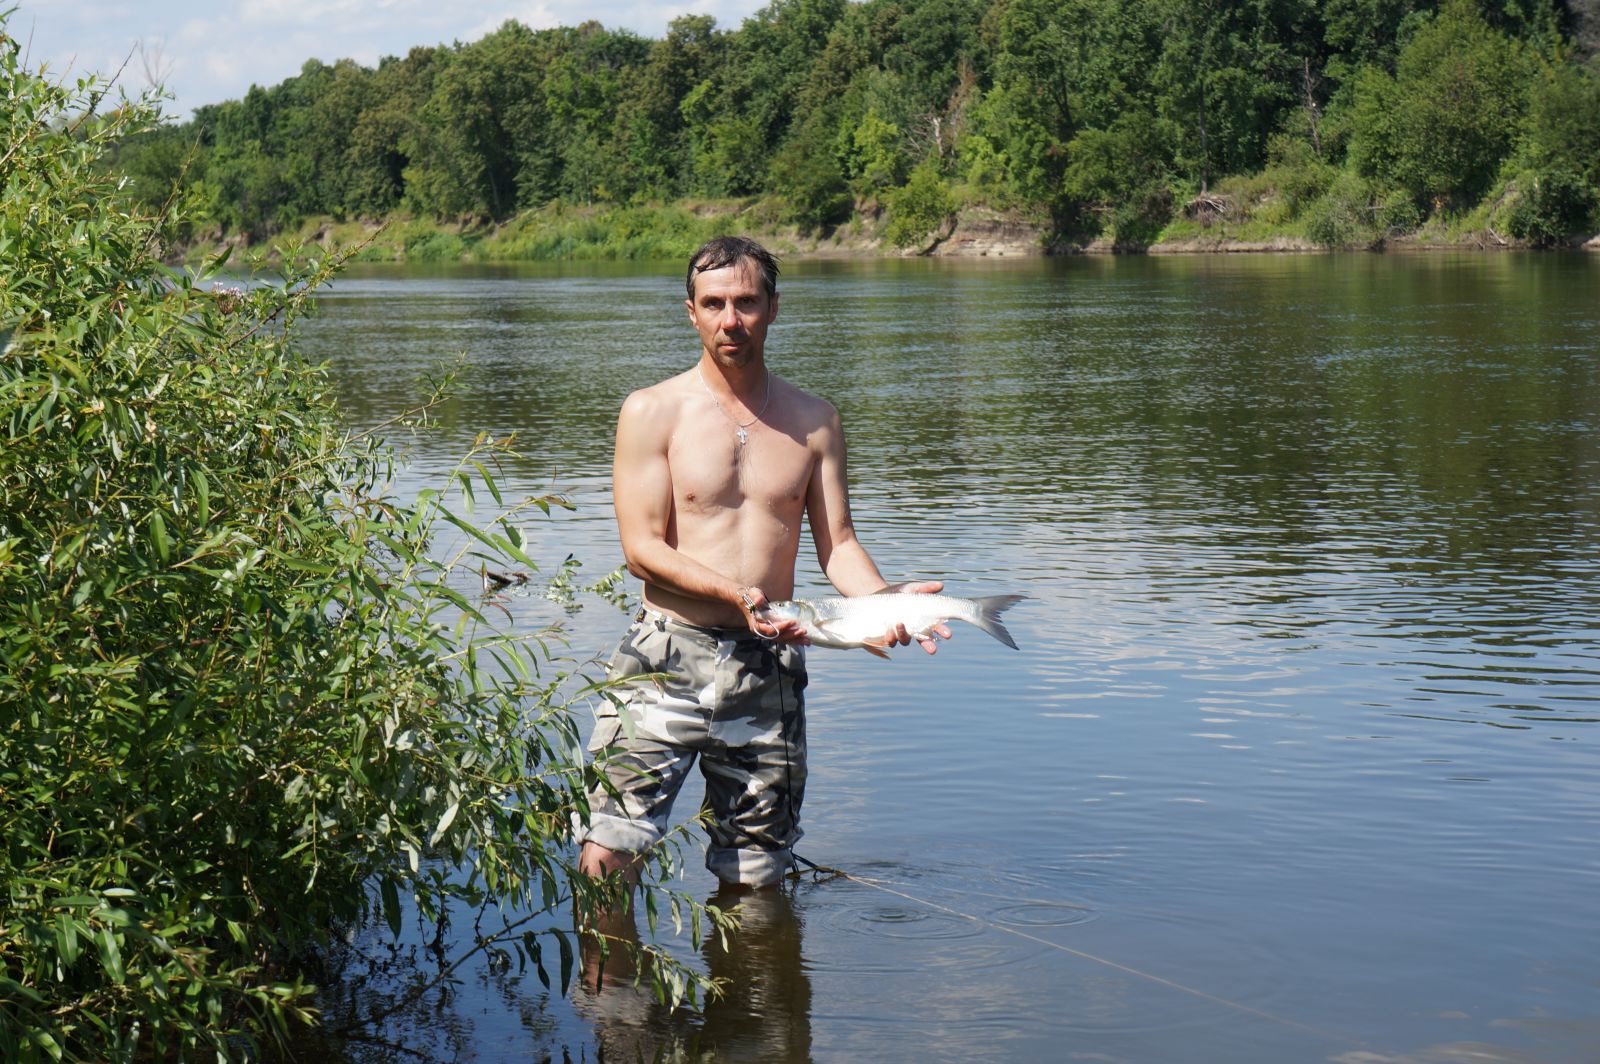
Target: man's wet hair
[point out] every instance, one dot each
(727, 250)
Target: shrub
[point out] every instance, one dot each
(1116, 165)
(1554, 206)
(919, 207)
(1299, 175)
(809, 183)
(1342, 216)
(1138, 221)
(435, 246)
(1395, 213)
(244, 705)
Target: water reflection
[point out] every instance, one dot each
(763, 1013)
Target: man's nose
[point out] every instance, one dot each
(730, 317)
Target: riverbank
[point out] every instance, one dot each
(673, 231)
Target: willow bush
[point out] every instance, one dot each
(242, 707)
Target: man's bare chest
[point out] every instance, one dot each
(712, 472)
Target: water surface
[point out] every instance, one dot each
(1298, 758)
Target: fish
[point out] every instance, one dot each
(860, 621)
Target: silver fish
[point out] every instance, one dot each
(861, 621)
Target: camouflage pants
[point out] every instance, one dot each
(736, 702)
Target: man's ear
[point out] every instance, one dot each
(774, 302)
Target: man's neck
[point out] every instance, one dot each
(746, 381)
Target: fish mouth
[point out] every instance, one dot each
(786, 609)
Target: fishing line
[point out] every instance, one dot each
(1239, 1006)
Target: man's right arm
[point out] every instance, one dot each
(641, 489)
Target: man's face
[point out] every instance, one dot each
(731, 311)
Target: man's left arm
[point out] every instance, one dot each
(844, 561)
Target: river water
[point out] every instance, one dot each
(1298, 759)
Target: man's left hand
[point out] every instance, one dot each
(898, 636)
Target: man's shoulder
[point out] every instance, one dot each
(813, 410)
(658, 397)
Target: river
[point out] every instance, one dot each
(1298, 759)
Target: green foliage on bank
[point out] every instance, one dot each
(1095, 116)
(246, 699)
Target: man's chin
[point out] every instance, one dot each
(738, 355)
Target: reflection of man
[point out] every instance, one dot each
(714, 470)
(765, 1010)
(763, 1013)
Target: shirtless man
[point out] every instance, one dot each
(714, 469)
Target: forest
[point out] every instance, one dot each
(1343, 120)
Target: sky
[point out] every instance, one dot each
(209, 52)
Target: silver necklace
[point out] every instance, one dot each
(738, 429)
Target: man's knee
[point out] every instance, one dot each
(596, 861)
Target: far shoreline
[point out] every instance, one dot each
(673, 231)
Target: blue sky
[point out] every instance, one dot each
(208, 52)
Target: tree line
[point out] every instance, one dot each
(1094, 114)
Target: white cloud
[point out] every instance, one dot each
(537, 16)
(237, 43)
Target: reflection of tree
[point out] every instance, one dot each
(764, 1013)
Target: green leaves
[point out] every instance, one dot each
(110, 955)
(1441, 126)
(247, 701)
(390, 891)
(918, 210)
(158, 536)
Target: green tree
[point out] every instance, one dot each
(876, 155)
(1227, 73)
(807, 177)
(1361, 33)
(920, 207)
(743, 113)
(1442, 125)
(469, 163)
(1065, 75)
(1563, 122)
(330, 130)
(156, 161)
(582, 83)
(1075, 108)
(1558, 183)
(935, 41)
(387, 133)
(1029, 114)
(651, 155)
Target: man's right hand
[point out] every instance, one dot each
(753, 601)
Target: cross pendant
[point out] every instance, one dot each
(744, 437)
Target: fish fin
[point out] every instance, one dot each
(989, 610)
(875, 650)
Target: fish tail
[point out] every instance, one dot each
(988, 616)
